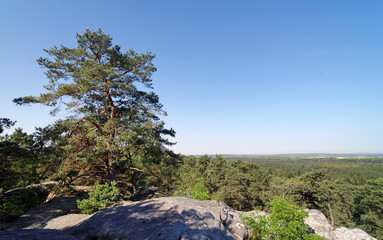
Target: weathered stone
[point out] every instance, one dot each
(144, 193)
(318, 221)
(343, 233)
(66, 221)
(164, 218)
(39, 216)
(35, 234)
(40, 187)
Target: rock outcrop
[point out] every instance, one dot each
(343, 233)
(39, 216)
(42, 188)
(164, 218)
(319, 223)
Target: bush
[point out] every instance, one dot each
(286, 222)
(200, 192)
(100, 198)
(14, 206)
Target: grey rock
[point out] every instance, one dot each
(39, 216)
(35, 234)
(164, 218)
(43, 188)
(144, 193)
(318, 221)
(343, 233)
(66, 221)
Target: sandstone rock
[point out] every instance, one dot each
(164, 218)
(144, 193)
(318, 221)
(66, 221)
(35, 234)
(40, 187)
(39, 216)
(343, 233)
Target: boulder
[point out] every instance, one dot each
(35, 234)
(318, 221)
(39, 216)
(144, 193)
(343, 233)
(43, 188)
(163, 218)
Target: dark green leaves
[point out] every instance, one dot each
(116, 119)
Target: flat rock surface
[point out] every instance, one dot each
(66, 221)
(39, 216)
(163, 218)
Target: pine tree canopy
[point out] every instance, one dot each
(114, 119)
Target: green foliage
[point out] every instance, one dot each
(286, 222)
(5, 123)
(200, 191)
(18, 160)
(100, 198)
(115, 125)
(14, 206)
(237, 183)
(368, 209)
(28, 158)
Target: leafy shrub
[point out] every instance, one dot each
(14, 206)
(286, 222)
(200, 192)
(100, 198)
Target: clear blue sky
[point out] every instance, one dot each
(236, 77)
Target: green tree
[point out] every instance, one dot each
(115, 122)
(18, 159)
(242, 185)
(368, 210)
(5, 123)
(285, 222)
(100, 198)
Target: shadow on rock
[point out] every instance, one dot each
(163, 218)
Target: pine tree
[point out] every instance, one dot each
(114, 119)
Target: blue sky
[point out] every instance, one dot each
(236, 77)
